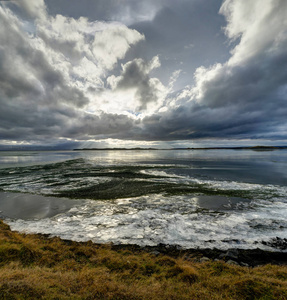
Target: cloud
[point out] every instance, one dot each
(246, 95)
(33, 8)
(104, 125)
(102, 43)
(257, 68)
(135, 76)
(51, 67)
(28, 73)
(126, 12)
(175, 27)
(112, 44)
(89, 49)
(80, 79)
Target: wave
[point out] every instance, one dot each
(81, 179)
(151, 203)
(154, 219)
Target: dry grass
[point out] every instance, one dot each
(35, 267)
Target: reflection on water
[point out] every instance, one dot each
(268, 167)
(26, 206)
(192, 198)
(218, 203)
(26, 158)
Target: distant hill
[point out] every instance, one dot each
(255, 148)
(117, 149)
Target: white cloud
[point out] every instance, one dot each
(89, 49)
(60, 77)
(260, 25)
(173, 79)
(243, 97)
(34, 8)
(111, 44)
(144, 93)
(81, 52)
(50, 75)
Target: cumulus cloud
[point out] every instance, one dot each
(185, 35)
(136, 76)
(256, 70)
(50, 66)
(81, 79)
(85, 51)
(101, 43)
(28, 74)
(243, 97)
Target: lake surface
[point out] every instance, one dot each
(191, 198)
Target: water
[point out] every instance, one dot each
(214, 198)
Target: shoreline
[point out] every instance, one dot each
(254, 148)
(85, 270)
(235, 256)
(241, 257)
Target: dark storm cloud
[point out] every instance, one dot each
(102, 125)
(38, 102)
(243, 98)
(37, 123)
(240, 107)
(201, 122)
(52, 69)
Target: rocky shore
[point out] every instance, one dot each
(85, 270)
(233, 256)
(242, 257)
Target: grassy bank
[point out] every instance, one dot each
(37, 267)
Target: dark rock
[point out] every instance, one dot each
(244, 257)
(277, 243)
(156, 253)
(232, 262)
(232, 254)
(222, 256)
(204, 259)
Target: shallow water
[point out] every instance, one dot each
(32, 207)
(214, 198)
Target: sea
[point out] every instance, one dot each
(221, 198)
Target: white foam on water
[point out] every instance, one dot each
(219, 184)
(53, 181)
(159, 173)
(36, 185)
(154, 219)
(150, 220)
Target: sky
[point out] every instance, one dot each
(130, 73)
